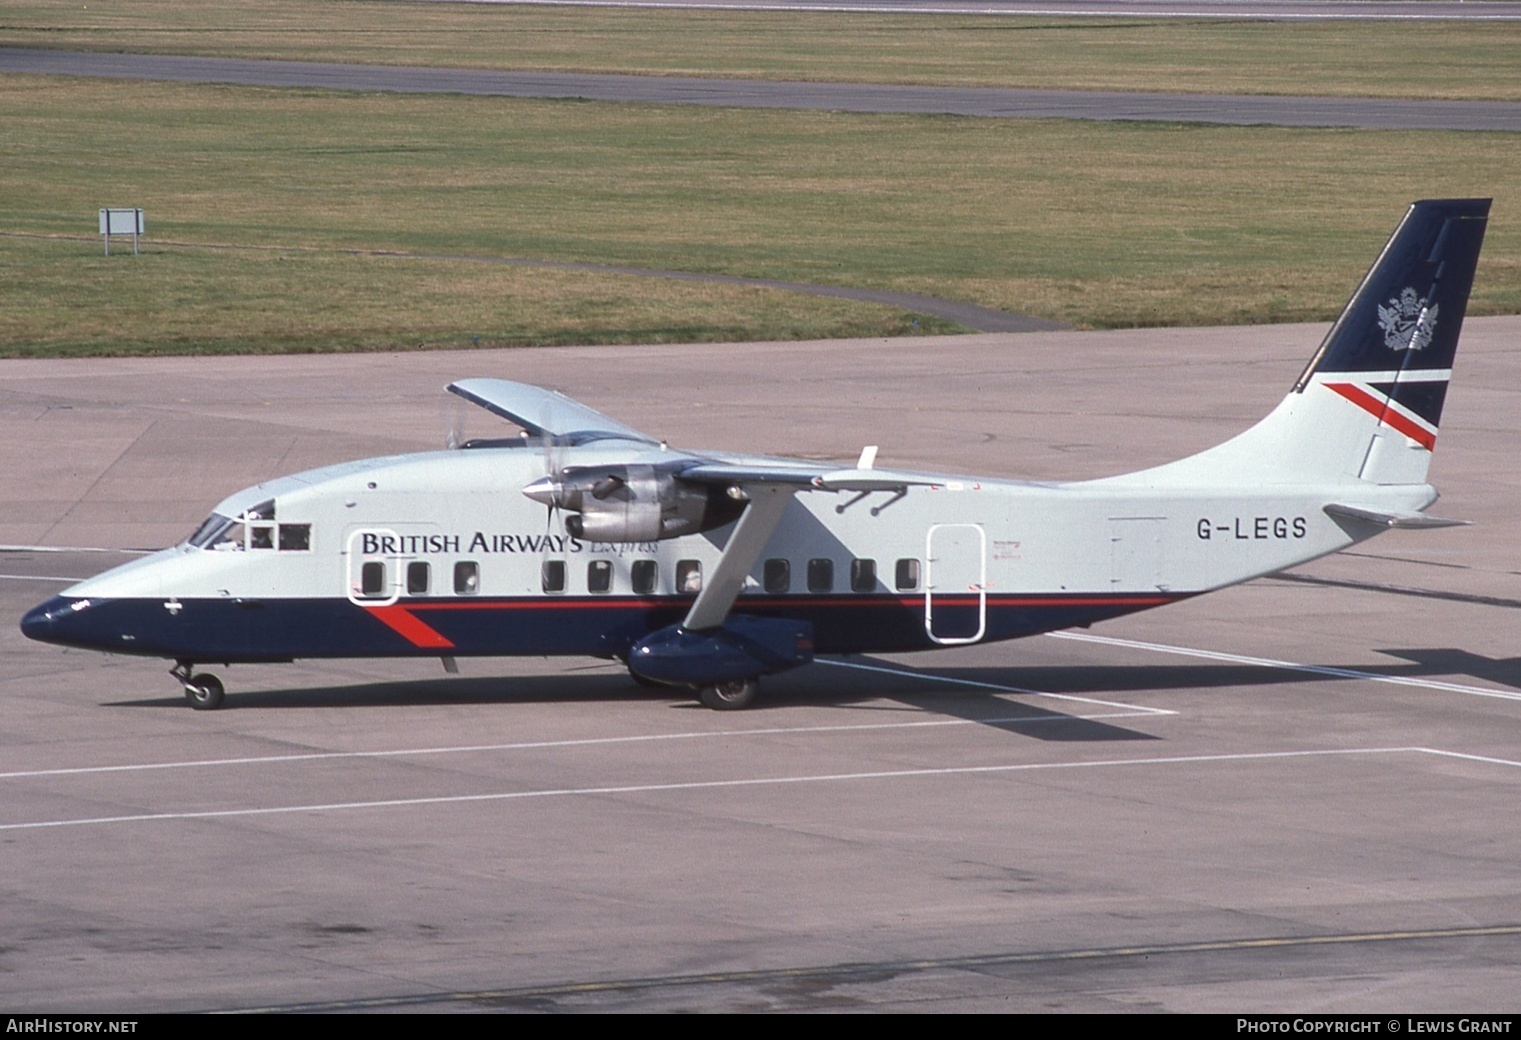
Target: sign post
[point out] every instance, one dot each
(121, 222)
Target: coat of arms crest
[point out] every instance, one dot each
(1408, 322)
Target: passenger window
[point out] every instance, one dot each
(372, 579)
(261, 536)
(863, 575)
(599, 576)
(689, 577)
(908, 575)
(295, 537)
(552, 575)
(644, 574)
(417, 578)
(777, 576)
(820, 575)
(467, 577)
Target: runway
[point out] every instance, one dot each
(985, 102)
(1299, 793)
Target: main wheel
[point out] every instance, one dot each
(731, 695)
(204, 692)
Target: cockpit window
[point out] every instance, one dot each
(254, 529)
(218, 532)
(208, 527)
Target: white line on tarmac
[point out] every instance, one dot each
(1291, 666)
(1138, 709)
(1126, 711)
(72, 549)
(586, 742)
(702, 785)
(37, 577)
(1486, 759)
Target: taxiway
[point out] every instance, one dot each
(1299, 793)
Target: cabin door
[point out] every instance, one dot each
(955, 583)
(372, 567)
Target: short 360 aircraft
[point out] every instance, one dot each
(707, 570)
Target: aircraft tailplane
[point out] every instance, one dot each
(1367, 406)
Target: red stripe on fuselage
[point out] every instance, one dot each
(550, 602)
(409, 627)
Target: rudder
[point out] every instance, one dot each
(1367, 406)
(1391, 351)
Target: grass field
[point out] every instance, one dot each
(266, 207)
(61, 299)
(1387, 59)
(1090, 223)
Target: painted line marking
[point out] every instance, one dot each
(540, 744)
(71, 549)
(709, 785)
(39, 577)
(1126, 711)
(1136, 709)
(1290, 666)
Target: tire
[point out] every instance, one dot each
(731, 695)
(204, 692)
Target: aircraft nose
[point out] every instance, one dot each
(44, 621)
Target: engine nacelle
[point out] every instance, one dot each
(634, 503)
(635, 522)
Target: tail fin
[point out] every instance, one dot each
(1368, 404)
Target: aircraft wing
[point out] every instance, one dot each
(541, 411)
(770, 486)
(800, 475)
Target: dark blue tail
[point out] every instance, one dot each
(1368, 406)
(1408, 311)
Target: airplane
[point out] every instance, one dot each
(705, 571)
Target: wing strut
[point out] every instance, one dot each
(767, 504)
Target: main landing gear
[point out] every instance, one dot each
(730, 695)
(204, 691)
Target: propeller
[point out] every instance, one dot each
(453, 412)
(553, 468)
(554, 475)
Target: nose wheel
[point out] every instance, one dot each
(204, 691)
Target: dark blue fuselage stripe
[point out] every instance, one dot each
(280, 630)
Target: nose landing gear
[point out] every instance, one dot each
(204, 691)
